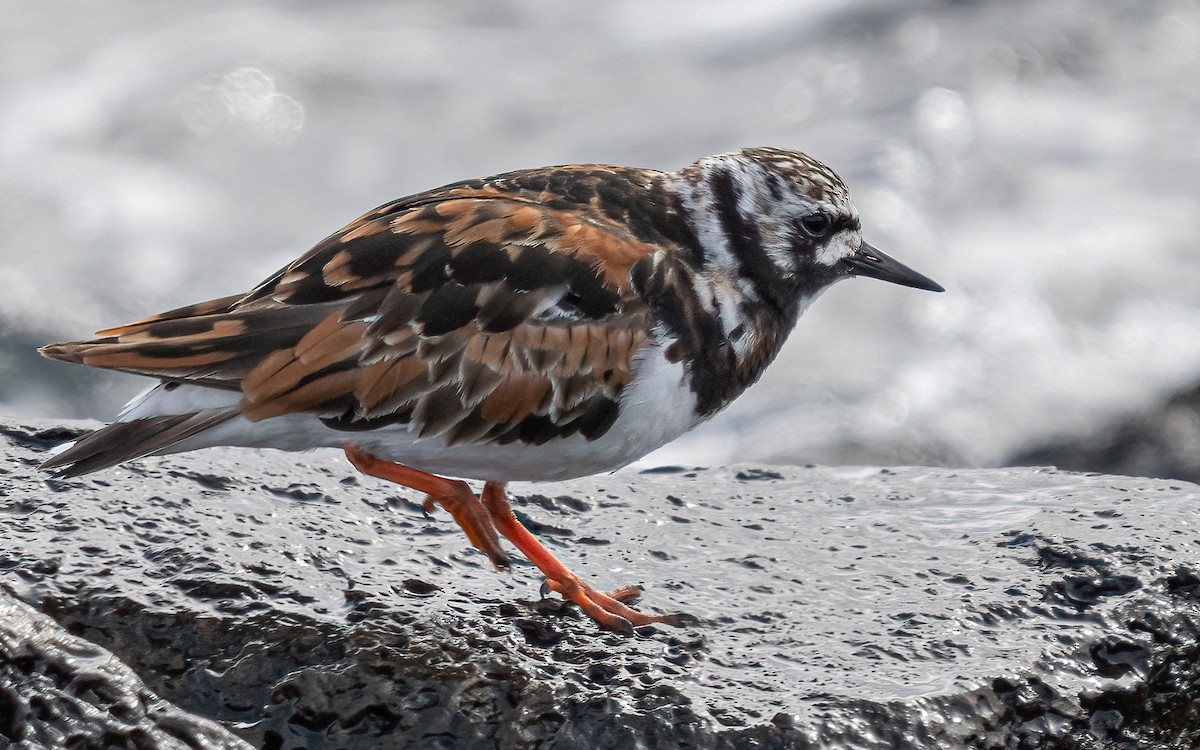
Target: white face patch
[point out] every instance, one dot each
(837, 248)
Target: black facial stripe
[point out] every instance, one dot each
(841, 222)
(746, 244)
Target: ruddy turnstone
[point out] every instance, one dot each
(536, 325)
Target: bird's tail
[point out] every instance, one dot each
(122, 441)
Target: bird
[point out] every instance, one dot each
(536, 325)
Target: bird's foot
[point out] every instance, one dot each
(609, 610)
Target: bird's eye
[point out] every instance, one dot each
(816, 224)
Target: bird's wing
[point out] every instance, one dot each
(477, 314)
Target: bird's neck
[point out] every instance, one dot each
(725, 325)
(727, 201)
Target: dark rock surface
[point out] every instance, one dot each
(301, 606)
(1162, 442)
(61, 691)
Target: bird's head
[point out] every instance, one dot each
(785, 222)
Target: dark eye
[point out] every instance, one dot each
(815, 225)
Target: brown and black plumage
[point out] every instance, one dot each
(535, 325)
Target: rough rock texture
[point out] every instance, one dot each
(301, 606)
(57, 690)
(1163, 442)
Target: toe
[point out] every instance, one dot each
(626, 594)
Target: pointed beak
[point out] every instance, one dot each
(871, 262)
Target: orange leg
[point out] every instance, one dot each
(453, 495)
(606, 609)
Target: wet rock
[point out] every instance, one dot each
(298, 605)
(1163, 442)
(60, 691)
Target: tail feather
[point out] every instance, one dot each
(216, 349)
(211, 307)
(123, 441)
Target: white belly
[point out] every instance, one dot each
(656, 407)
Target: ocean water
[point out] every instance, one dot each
(1040, 160)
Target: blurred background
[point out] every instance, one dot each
(1040, 160)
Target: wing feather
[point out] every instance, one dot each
(475, 314)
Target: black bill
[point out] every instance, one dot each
(870, 262)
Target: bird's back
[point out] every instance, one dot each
(492, 310)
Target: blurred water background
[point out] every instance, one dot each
(1040, 160)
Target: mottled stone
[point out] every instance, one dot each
(300, 605)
